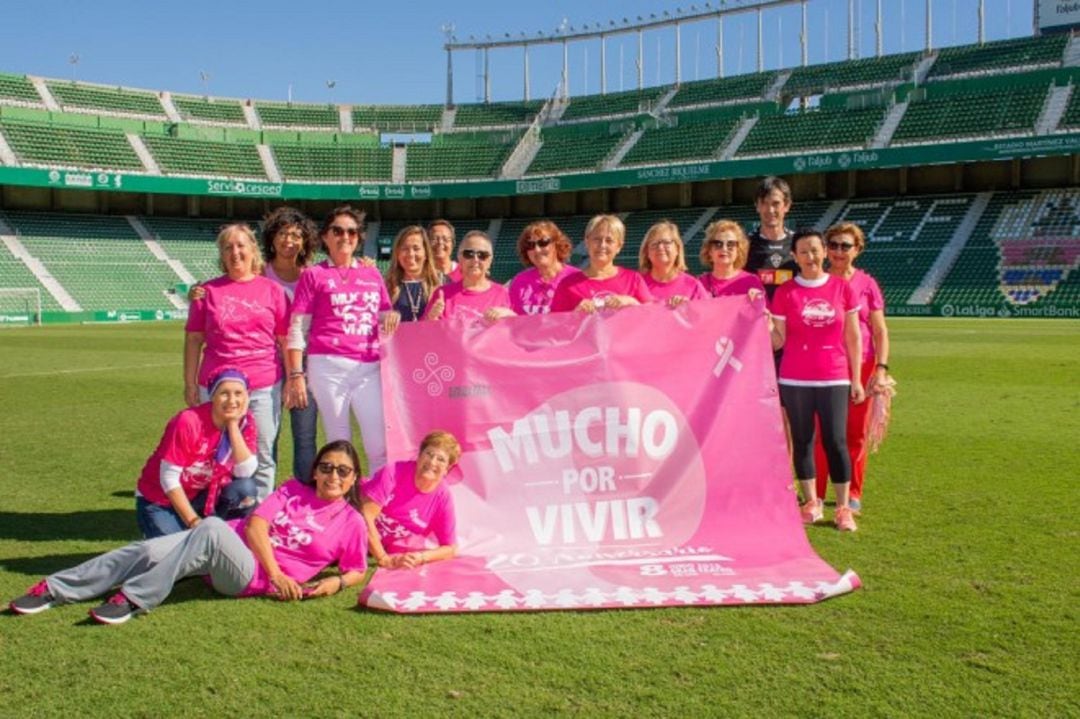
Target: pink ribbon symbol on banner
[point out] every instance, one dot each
(724, 348)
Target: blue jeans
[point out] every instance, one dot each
(265, 406)
(233, 502)
(305, 425)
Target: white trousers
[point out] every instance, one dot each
(340, 383)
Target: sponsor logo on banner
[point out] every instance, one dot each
(545, 184)
(369, 192)
(54, 176)
(78, 179)
(241, 187)
(394, 191)
(419, 191)
(433, 375)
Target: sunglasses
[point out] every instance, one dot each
(533, 244)
(339, 231)
(845, 246)
(476, 254)
(344, 471)
(723, 244)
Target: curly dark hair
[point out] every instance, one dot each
(283, 218)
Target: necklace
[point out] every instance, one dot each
(414, 303)
(343, 271)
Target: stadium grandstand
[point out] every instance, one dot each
(961, 163)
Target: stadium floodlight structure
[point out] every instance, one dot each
(565, 34)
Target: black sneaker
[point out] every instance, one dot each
(38, 598)
(115, 611)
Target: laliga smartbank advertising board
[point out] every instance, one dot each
(1057, 14)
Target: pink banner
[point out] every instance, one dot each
(629, 459)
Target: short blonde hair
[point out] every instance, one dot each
(257, 263)
(614, 224)
(847, 228)
(644, 263)
(440, 439)
(742, 252)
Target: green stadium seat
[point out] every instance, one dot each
(211, 109)
(73, 95)
(58, 145)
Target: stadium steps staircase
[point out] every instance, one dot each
(371, 239)
(145, 157)
(251, 116)
(624, 146)
(269, 164)
(46, 94)
(7, 155)
(345, 118)
(494, 228)
(50, 283)
(152, 244)
(554, 109)
(665, 99)
(831, 213)
(1057, 100)
(924, 293)
(1071, 56)
(737, 137)
(774, 90)
(888, 127)
(399, 163)
(923, 68)
(523, 154)
(169, 107)
(446, 122)
(700, 224)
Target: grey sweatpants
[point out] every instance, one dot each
(146, 571)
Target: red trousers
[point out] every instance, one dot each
(858, 425)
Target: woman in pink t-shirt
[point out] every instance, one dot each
(602, 285)
(724, 252)
(241, 321)
(337, 314)
(475, 296)
(815, 321)
(544, 249)
(408, 508)
(299, 530)
(844, 242)
(662, 261)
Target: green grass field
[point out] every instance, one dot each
(968, 552)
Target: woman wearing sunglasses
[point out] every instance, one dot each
(339, 308)
(299, 530)
(724, 252)
(408, 508)
(662, 261)
(844, 242)
(475, 296)
(544, 250)
(602, 285)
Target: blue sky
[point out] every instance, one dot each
(392, 52)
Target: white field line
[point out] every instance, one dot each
(83, 370)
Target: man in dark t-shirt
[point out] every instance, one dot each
(770, 244)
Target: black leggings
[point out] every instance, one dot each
(830, 404)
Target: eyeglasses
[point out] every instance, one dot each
(476, 254)
(845, 246)
(723, 244)
(657, 244)
(533, 244)
(339, 231)
(344, 471)
(291, 234)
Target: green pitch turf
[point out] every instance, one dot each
(967, 548)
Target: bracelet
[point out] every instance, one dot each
(883, 365)
(296, 373)
(341, 583)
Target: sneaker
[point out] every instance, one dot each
(855, 505)
(844, 519)
(115, 611)
(812, 512)
(38, 598)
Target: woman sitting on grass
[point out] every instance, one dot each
(298, 531)
(408, 508)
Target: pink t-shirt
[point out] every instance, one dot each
(739, 284)
(241, 322)
(307, 535)
(814, 314)
(468, 304)
(868, 293)
(344, 305)
(682, 284)
(190, 442)
(570, 293)
(531, 294)
(409, 517)
(454, 275)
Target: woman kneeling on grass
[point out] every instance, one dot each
(408, 508)
(298, 531)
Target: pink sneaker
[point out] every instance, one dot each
(845, 519)
(38, 598)
(812, 511)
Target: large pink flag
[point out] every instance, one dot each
(627, 459)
